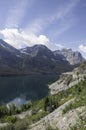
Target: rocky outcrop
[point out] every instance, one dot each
(68, 79)
(3, 125)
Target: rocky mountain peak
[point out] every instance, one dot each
(38, 50)
(73, 57)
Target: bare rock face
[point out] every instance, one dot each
(74, 58)
(66, 81)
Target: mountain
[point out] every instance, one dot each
(74, 58)
(38, 50)
(39, 58)
(5, 46)
(35, 59)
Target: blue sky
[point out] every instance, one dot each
(55, 23)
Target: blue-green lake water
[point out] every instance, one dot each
(24, 88)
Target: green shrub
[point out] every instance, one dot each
(3, 110)
(11, 119)
(21, 125)
(67, 108)
(34, 118)
(50, 128)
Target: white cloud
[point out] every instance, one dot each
(13, 37)
(59, 46)
(82, 48)
(20, 39)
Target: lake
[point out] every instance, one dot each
(24, 88)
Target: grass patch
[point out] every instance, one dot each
(34, 118)
(80, 125)
(79, 92)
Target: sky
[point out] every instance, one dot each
(55, 23)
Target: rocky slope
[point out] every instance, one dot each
(68, 79)
(59, 121)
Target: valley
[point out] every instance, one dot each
(40, 88)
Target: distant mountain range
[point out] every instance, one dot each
(36, 59)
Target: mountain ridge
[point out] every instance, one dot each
(35, 59)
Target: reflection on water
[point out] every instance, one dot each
(30, 87)
(18, 101)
